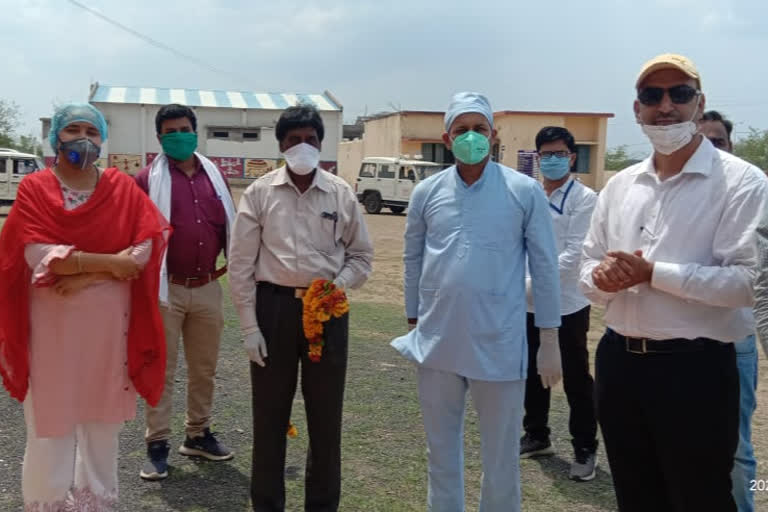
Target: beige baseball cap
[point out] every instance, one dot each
(669, 61)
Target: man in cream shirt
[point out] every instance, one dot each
(671, 253)
(296, 224)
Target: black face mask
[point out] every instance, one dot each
(81, 152)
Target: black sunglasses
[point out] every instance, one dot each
(679, 94)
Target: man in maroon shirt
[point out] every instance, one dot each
(193, 310)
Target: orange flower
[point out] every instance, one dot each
(321, 302)
(293, 432)
(315, 352)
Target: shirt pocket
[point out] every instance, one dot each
(429, 314)
(322, 231)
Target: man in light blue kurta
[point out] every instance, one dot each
(469, 230)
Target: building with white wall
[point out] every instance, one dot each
(236, 129)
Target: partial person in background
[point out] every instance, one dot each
(193, 194)
(718, 130)
(570, 205)
(467, 236)
(80, 330)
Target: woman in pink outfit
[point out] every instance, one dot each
(80, 330)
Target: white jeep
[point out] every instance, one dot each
(13, 167)
(388, 182)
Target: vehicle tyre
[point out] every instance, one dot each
(372, 203)
(397, 210)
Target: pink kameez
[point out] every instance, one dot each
(78, 344)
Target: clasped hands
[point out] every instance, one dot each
(620, 270)
(123, 267)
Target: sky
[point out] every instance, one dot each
(556, 55)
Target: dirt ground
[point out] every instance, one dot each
(386, 285)
(384, 462)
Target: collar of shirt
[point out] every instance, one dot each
(559, 195)
(173, 166)
(699, 163)
(320, 180)
(562, 188)
(479, 183)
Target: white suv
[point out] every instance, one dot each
(386, 181)
(13, 167)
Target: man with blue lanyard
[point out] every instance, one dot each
(718, 130)
(468, 233)
(571, 205)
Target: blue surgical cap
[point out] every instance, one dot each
(76, 113)
(465, 102)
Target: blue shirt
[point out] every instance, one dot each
(465, 254)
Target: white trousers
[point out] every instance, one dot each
(499, 407)
(73, 473)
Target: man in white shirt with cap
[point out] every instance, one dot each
(671, 252)
(468, 232)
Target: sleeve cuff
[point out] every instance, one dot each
(667, 277)
(42, 275)
(248, 321)
(411, 303)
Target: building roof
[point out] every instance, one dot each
(101, 93)
(545, 113)
(496, 114)
(382, 115)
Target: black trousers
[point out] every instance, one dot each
(273, 387)
(670, 424)
(577, 381)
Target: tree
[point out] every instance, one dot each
(9, 119)
(29, 144)
(753, 148)
(617, 159)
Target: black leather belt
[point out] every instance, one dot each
(669, 346)
(297, 293)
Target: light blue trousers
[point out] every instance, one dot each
(744, 464)
(499, 407)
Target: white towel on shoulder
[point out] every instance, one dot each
(160, 194)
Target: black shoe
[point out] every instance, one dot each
(156, 468)
(584, 466)
(206, 446)
(530, 447)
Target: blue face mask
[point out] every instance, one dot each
(555, 167)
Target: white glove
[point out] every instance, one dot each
(548, 357)
(256, 347)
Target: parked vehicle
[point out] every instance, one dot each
(388, 182)
(13, 167)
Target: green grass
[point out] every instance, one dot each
(384, 461)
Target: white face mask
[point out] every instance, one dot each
(668, 139)
(302, 158)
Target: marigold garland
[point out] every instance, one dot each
(322, 301)
(293, 432)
